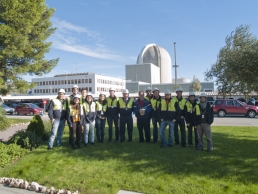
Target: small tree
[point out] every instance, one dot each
(195, 85)
(36, 126)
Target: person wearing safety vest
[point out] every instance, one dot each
(112, 115)
(148, 96)
(57, 116)
(204, 118)
(169, 113)
(125, 105)
(181, 120)
(155, 103)
(142, 109)
(83, 100)
(75, 120)
(101, 108)
(90, 115)
(190, 109)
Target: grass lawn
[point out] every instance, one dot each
(16, 120)
(108, 167)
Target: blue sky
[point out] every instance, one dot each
(102, 36)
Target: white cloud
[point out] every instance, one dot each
(68, 37)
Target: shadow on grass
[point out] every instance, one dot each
(233, 156)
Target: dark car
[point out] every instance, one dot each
(28, 109)
(223, 107)
(8, 109)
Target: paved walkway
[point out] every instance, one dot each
(11, 190)
(6, 134)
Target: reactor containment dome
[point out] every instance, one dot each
(158, 56)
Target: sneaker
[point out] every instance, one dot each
(49, 148)
(92, 143)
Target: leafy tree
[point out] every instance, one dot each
(24, 28)
(236, 68)
(195, 85)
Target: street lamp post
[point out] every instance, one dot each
(175, 63)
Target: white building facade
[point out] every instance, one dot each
(93, 83)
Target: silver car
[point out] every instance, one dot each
(7, 109)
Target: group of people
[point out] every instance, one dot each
(83, 114)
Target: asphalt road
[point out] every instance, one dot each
(225, 121)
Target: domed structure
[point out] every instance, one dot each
(158, 56)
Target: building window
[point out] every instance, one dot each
(86, 80)
(90, 89)
(87, 88)
(79, 81)
(35, 91)
(82, 81)
(72, 81)
(58, 82)
(69, 89)
(55, 82)
(43, 91)
(40, 91)
(46, 82)
(90, 80)
(43, 83)
(68, 81)
(55, 90)
(40, 83)
(49, 83)
(75, 81)
(46, 90)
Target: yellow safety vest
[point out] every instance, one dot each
(89, 108)
(58, 104)
(181, 103)
(100, 107)
(72, 112)
(112, 103)
(190, 107)
(124, 105)
(168, 107)
(155, 103)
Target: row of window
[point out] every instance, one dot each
(103, 81)
(62, 82)
(100, 89)
(55, 90)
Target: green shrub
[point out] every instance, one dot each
(36, 126)
(4, 123)
(48, 127)
(26, 139)
(10, 153)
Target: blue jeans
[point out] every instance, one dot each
(100, 126)
(89, 131)
(163, 126)
(57, 129)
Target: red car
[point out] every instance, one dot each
(223, 107)
(28, 109)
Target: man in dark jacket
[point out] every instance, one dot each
(189, 111)
(142, 109)
(169, 113)
(155, 103)
(204, 118)
(125, 107)
(57, 116)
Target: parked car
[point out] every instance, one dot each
(28, 109)
(223, 107)
(8, 109)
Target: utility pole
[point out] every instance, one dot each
(175, 64)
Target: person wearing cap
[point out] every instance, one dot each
(90, 115)
(169, 113)
(57, 116)
(181, 120)
(112, 114)
(148, 96)
(204, 118)
(101, 107)
(142, 109)
(190, 109)
(75, 90)
(155, 103)
(83, 100)
(125, 107)
(75, 120)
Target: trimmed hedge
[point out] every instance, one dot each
(36, 126)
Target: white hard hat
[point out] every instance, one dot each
(61, 91)
(112, 89)
(155, 89)
(179, 90)
(76, 96)
(102, 94)
(203, 95)
(89, 94)
(191, 94)
(125, 91)
(75, 86)
(167, 91)
(148, 88)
